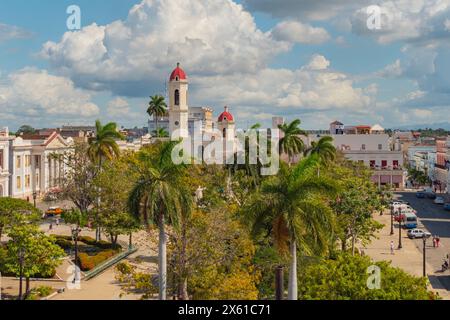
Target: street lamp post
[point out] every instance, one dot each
(21, 258)
(424, 255)
(392, 221)
(400, 218)
(75, 233)
(279, 283)
(34, 198)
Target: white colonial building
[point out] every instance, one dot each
(32, 163)
(368, 145)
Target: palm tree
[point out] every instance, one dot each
(157, 108)
(160, 132)
(325, 150)
(291, 206)
(291, 143)
(104, 147)
(159, 198)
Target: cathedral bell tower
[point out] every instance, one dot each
(178, 104)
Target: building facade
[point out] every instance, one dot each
(371, 146)
(32, 163)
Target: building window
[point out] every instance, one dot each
(380, 147)
(18, 162)
(372, 163)
(384, 163)
(177, 97)
(363, 147)
(27, 161)
(1, 158)
(37, 162)
(27, 181)
(224, 132)
(18, 183)
(395, 163)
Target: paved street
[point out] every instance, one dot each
(436, 220)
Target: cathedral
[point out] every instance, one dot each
(182, 119)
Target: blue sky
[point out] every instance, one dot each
(316, 61)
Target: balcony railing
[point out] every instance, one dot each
(387, 168)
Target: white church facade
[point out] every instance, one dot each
(182, 119)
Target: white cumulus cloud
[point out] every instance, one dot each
(297, 32)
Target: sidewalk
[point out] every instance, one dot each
(409, 258)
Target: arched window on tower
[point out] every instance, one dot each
(177, 97)
(224, 132)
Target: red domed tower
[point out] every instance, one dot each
(226, 124)
(178, 104)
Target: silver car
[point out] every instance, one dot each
(418, 233)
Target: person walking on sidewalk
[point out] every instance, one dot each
(434, 241)
(392, 247)
(438, 240)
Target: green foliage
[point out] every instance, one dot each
(135, 281)
(291, 206)
(25, 129)
(157, 108)
(39, 293)
(88, 262)
(15, 212)
(358, 198)
(345, 278)
(39, 252)
(114, 183)
(104, 146)
(159, 195)
(217, 262)
(418, 177)
(291, 143)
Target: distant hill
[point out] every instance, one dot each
(433, 126)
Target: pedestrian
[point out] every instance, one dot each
(57, 221)
(50, 227)
(438, 240)
(392, 247)
(434, 241)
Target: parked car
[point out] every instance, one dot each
(54, 211)
(418, 233)
(439, 200)
(447, 206)
(420, 194)
(431, 195)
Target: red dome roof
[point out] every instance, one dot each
(226, 116)
(178, 72)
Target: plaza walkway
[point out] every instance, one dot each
(409, 258)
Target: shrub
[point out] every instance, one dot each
(87, 262)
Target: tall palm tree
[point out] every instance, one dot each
(291, 206)
(158, 197)
(104, 147)
(157, 107)
(324, 149)
(291, 143)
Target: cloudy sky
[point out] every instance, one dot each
(313, 60)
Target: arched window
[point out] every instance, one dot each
(177, 97)
(224, 132)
